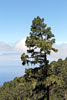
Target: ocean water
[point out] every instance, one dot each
(8, 73)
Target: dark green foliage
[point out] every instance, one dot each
(39, 43)
(31, 85)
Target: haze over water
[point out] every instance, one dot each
(8, 73)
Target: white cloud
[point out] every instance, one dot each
(20, 45)
(11, 54)
(8, 55)
(4, 47)
(62, 52)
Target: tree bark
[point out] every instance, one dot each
(46, 63)
(47, 92)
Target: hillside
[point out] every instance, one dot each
(31, 86)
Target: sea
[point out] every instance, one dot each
(8, 73)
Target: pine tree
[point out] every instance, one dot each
(39, 44)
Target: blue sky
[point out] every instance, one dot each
(16, 17)
(15, 20)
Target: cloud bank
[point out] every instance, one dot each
(20, 45)
(10, 55)
(62, 52)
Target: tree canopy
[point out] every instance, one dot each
(39, 43)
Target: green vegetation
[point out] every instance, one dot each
(45, 82)
(31, 85)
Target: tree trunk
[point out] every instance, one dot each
(46, 63)
(47, 92)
